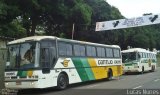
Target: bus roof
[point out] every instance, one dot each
(31, 38)
(38, 38)
(136, 50)
(89, 43)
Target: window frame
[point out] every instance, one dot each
(80, 45)
(101, 51)
(92, 55)
(65, 43)
(111, 52)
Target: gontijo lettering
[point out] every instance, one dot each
(109, 62)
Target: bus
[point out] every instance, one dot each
(49, 61)
(138, 60)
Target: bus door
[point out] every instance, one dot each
(47, 55)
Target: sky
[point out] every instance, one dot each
(136, 8)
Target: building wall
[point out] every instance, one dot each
(2, 65)
(3, 54)
(3, 43)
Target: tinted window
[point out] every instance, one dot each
(109, 52)
(69, 49)
(79, 50)
(45, 58)
(65, 49)
(91, 51)
(48, 53)
(116, 52)
(128, 57)
(47, 44)
(62, 49)
(100, 52)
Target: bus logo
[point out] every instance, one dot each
(65, 63)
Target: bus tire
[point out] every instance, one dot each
(62, 81)
(142, 70)
(110, 75)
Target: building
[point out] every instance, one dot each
(3, 54)
(4, 40)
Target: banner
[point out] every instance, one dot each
(127, 23)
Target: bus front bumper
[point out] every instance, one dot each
(131, 69)
(21, 84)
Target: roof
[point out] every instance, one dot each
(38, 38)
(34, 38)
(84, 42)
(136, 50)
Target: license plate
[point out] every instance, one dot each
(18, 83)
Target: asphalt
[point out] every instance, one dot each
(131, 84)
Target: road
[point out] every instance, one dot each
(131, 84)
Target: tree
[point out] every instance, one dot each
(13, 29)
(8, 26)
(101, 11)
(68, 12)
(140, 40)
(19, 18)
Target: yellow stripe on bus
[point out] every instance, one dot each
(99, 72)
(29, 73)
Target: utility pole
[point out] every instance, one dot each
(73, 31)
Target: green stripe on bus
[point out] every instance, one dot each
(80, 69)
(128, 64)
(22, 73)
(88, 69)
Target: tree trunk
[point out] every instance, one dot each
(33, 29)
(34, 24)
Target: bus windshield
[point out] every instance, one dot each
(127, 57)
(21, 56)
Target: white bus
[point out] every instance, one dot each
(48, 61)
(138, 60)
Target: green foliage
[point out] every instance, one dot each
(81, 13)
(140, 40)
(13, 29)
(19, 18)
(8, 11)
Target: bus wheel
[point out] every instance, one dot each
(110, 74)
(62, 81)
(142, 70)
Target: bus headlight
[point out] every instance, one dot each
(32, 83)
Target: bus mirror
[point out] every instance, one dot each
(45, 70)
